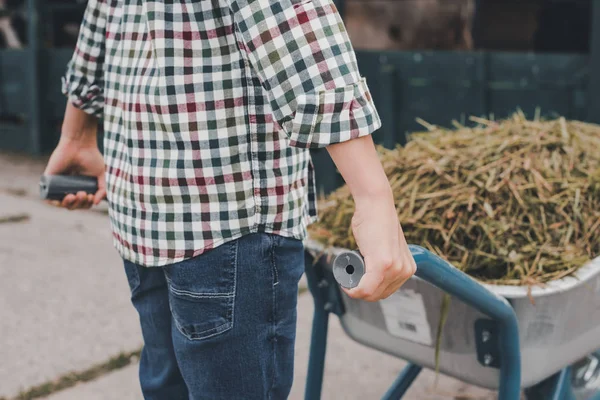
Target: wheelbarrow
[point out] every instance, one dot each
(543, 341)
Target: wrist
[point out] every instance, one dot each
(380, 193)
(78, 128)
(78, 140)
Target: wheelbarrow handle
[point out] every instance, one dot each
(56, 187)
(446, 277)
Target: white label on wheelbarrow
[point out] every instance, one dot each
(405, 316)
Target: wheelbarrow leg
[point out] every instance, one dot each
(562, 389)
(318, 345)
(595, 396)
(557, 387)
(403, 382)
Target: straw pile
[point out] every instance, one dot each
(515, 202)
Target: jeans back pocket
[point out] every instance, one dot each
(202, 292)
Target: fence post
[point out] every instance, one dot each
(389, 104)
(33, 49)
(594, 68)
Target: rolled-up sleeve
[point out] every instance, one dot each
(302, 55)
(83, 82)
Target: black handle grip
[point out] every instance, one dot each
(56, 187)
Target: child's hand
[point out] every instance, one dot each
(71, 157)
(77, 154)
(380, 239)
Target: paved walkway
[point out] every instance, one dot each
(65, 302)
(64, 307)
(352, 372)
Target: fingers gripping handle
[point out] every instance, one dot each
(56, 187)
(349, 266)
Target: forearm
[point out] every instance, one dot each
(79, 126)
(375, 224)
(360, 167)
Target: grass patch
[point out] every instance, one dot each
(73, 378)
(14, 218)
(17, 192)
(301, 290)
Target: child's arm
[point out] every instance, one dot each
(301, 53)
(83, 84)
(77, 153)
(375, 225)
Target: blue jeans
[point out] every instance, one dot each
(221, 325)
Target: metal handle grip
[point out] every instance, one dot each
(444, 276)
(56, 187)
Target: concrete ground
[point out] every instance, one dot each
(65, 308)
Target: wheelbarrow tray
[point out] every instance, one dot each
(561, 326)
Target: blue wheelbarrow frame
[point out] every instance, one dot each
(431, 268)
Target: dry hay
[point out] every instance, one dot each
(513, 202)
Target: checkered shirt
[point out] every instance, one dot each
(209, 110)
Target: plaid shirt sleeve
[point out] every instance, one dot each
(302, 54)
(83, 82)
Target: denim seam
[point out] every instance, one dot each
(273, 319)
(204, 334)
(200, 295)
(273, 265)
(208, 333)
(136, 282)
(234, 260)
(197, 295)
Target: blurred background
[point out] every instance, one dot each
(439, 60)
(65, 317)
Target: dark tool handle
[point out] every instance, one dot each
(56, 187)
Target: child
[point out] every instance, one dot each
(209, 110)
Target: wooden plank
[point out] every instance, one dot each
(438, 87)
(441, 86)
(13, 69)
(369, 65)
(435, 86)
(554, 83)
(14, 137)
(389, 87)
(33, 79)
(593, 111)
(54, 101)
(536, 70)
(382, 80)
